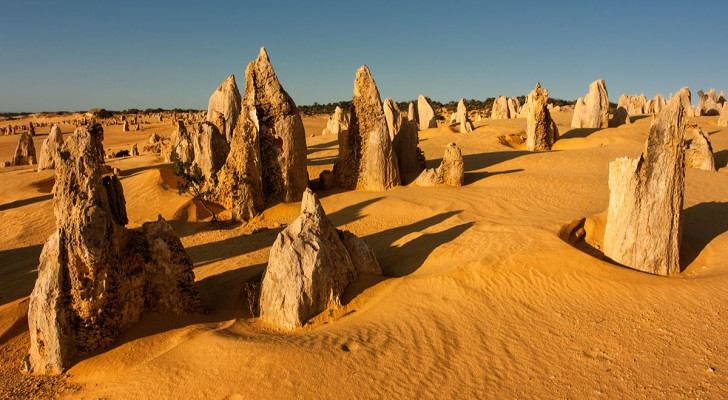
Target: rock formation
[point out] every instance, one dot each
(461, 117)
(593, 112)
(31, 129)
(125, 126)
(134, 150)
(723, 119)
(281, 136)
(425, 113)
(699, 153)
(405, 139)
(25, 151)
(500, 108)
(709, 103)
(95, 277)
(450, 172)
(514, 106)
(655, 105)
(366, 158)
(685, 101)
(210, 148)
(541, 130)
(223, 108)
(240, 187)
(644, 218)
(50, 150)
(310, 266)
(412, 113)
(336, 123)
(180, 144)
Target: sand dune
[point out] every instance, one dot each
(480, 298)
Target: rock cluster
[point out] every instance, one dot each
(96, 277)
(644, 218)
(223, 108)
(425, 113)
(685, 101)
(405, 139)
(366, 157)
(699, 153)
(500, 109)
(541, 130)
(710, 103)
(655, 105)
(50, 150)
(24, 151)
(268, 164)
(310, 266)
(593, 110)
(451, 170)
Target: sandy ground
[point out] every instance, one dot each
(481, 299)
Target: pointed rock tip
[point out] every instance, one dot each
(310, 203)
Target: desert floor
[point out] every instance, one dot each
(481, 298)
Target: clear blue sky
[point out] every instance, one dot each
(76, 55)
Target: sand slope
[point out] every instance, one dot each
(481, 299)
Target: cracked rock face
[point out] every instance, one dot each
(541, 130)
(210, 149)
(644, 218)
(366, 157)
(95, 277)
(223, 108)
(709, 103)
(337, 122)
(180, 144)
(723, 119)
(310, 266)
(24, 151)
(500, 109)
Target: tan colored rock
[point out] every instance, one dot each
(655, 105)
(594, 111)
(393, 117)
(24, 151)
(337, 122)
(134, 150)
(281, 136)
(366, 158)
(425, 113)
(450, 172)
(412, 113)
(685, 101)
(50, 150)
(310, 266)
(541, 130)
(240, 187)
(461, 117)
(180, 144)
(514, 106)
(709, 103)
(723, 119)
(223, 108)
(699, 153)
(644, 218)
(125, 126)
(410, 158)
(500, 109)
(96, 277)
(210, 148)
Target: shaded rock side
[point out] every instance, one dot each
(699, 153)
(425, 113)
(51, 149)
(24, 151)
(210, 149)
(224, 105)
(541, 130)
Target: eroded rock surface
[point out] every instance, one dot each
(210, 148)
(95, 277)
(51, 149)
(450, 172)
(593, 111)
(699, 153)
(425, 113)
(541, 130)
(223, 108)
(24, 151)
(310, 266)
(644, 218)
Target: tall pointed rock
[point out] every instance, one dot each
(223, 108)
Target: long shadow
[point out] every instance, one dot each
(208, 253)
(472, 177)
(634, 118)
(721, 159)
(322, 146)
(474, 162)
(578, 133)
(701, 224)
(24, 202)
(133, 171)
(18, 269)
(322, 160)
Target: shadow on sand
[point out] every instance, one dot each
(25, 202)
(578, 133)
(701, 224)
